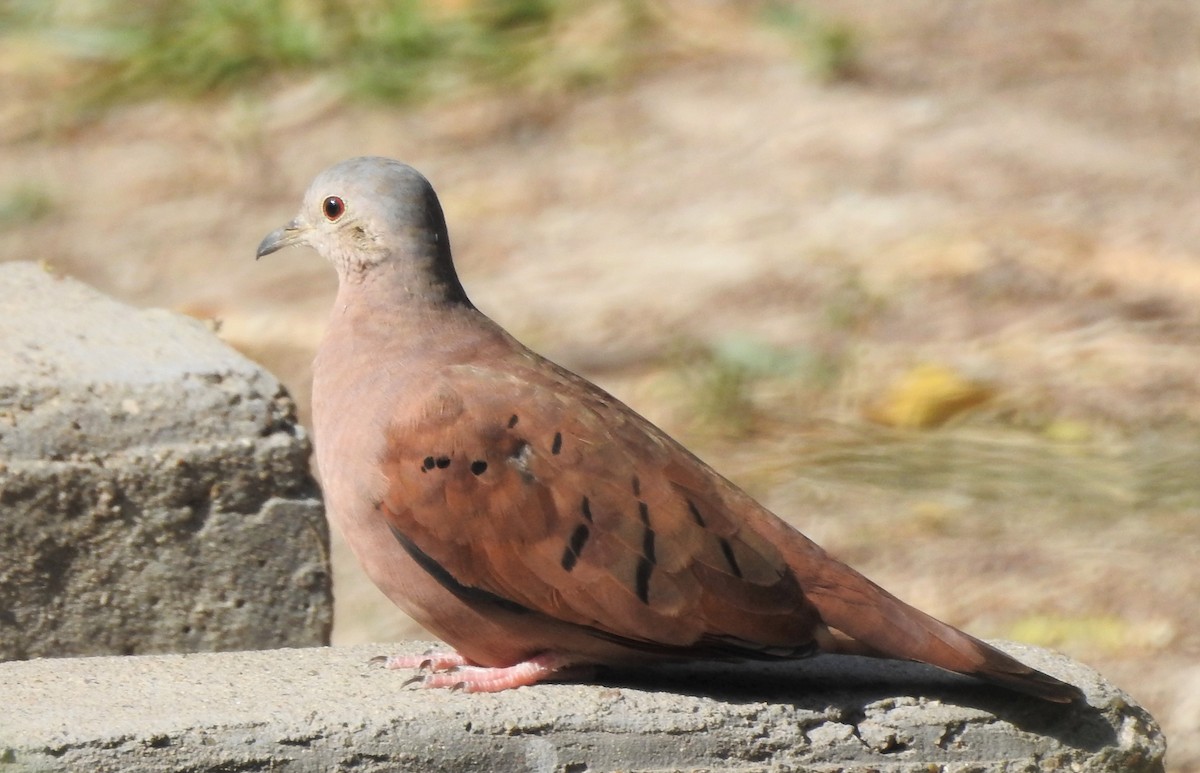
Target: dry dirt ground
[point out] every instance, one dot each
(1006, 190)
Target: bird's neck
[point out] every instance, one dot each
(378, 353)
(424, 278)
(406, 313)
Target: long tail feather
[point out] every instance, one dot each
(877, 623)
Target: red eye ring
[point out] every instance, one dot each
(334, 208)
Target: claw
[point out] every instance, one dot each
(429, 661)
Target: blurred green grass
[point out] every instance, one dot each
(23, 204)
(125, 50)
(732, 386)
(106, 52)
(831, 49)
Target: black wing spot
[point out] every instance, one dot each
(695, 511)
(556, 447)
(644, 512)
(648, 546)
(478, 467)
(442, 462)
(637, 486)
(727, 549)
(428, 463)
(579, 538)
(586, 508)
(642, 580)
(512, 421)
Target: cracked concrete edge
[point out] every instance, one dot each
(124, 377)
(333, 709)
(153, 482)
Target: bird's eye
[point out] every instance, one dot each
(334, 208)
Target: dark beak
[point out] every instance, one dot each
(292, 233)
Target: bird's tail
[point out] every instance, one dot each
(870, 621)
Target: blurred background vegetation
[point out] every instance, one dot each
(923, 277)
(128, 49)
(379, 50)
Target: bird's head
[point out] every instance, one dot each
(370, 213)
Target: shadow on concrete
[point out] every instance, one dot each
(847, 685)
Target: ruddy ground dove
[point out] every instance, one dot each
(531, 520)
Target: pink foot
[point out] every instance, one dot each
(430, 661)
(483, 679)
(451, 670)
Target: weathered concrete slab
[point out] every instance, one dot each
(155, 494)
(331, 709)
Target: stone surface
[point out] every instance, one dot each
(155, 494)
(327, 709)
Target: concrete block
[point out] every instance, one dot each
(155, 493)
(328, 709)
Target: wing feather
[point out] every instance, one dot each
(584, 512)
